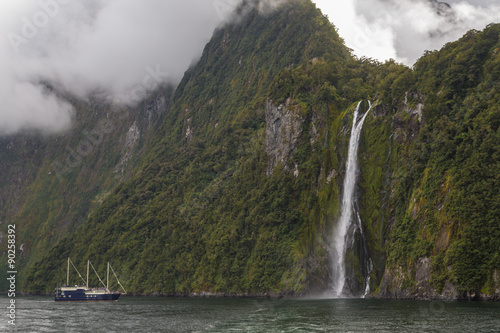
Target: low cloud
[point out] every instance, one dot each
(123, 48)
(119, 48)
(404, 29)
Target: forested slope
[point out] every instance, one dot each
(239, 189)
(50, 184)
(201, 215)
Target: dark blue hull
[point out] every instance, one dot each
(80, 296)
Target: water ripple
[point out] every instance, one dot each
(131, 314)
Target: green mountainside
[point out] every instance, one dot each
(235, 185)
(50, 184)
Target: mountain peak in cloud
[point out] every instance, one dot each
(121, 48)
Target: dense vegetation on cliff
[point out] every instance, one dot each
(452, 203)
(238, 187)
(50, 184)
(200, 213)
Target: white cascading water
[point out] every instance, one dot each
(341, 238)
(368, 263)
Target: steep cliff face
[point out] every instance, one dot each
(283, 130)
(418, 283)
(449, 212)
(433, 217)
(202, 213)
(51, 184)
(21, 157)
(418, 228)
(238, 187)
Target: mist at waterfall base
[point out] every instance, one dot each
(158, 314)
(348, 233)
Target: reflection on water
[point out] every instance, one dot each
(147, 314)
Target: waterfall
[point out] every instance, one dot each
(343, 238)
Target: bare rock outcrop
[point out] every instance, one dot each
(283, 129)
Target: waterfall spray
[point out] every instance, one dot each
(343, 237)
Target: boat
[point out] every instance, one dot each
(84, 293)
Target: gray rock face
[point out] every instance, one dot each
(283, 129)
(131, 139)
(409, 118)
(398, 283)
(417, 110)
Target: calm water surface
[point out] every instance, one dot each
(137, 314)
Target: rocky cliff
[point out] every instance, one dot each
(283, 130)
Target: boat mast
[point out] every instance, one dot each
(88, 262)
(112, 270)
(67, 274)
(107, 278)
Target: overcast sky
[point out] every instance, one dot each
(123, 48)
(404, 29)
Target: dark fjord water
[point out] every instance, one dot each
(137, 314)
